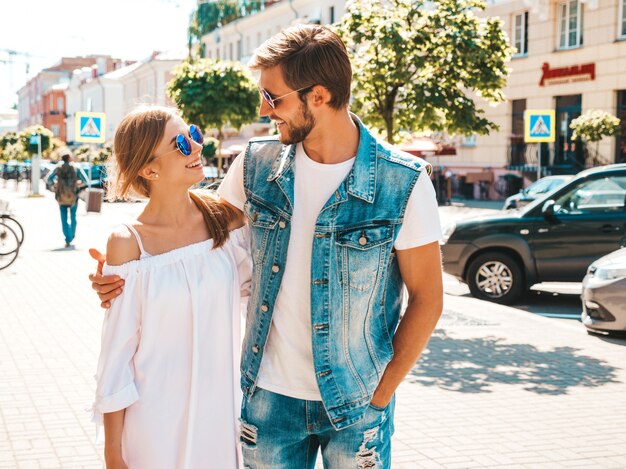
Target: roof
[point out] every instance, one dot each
(122, 72)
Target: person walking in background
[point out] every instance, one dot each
(66, 195)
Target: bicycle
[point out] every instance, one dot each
(11, 236)
(7, 219)
(9, 246)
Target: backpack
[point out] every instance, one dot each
(66, 186)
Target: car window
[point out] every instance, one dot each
(541, 186)
(602, 195)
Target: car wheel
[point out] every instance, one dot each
(496, 277)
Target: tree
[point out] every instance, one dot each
(211, 15)
(209, 148)
(8, 138)
(418, 64)
(592, 127)
(212, 93)
(45, 134)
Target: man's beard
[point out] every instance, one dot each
(296, 133)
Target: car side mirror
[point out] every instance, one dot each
(547, 211)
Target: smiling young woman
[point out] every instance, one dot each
(171, 339)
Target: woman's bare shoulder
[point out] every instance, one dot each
(122, 247)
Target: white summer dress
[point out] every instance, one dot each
(170, 355)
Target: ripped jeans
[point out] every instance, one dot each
(280, 432)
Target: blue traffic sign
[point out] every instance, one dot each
(539, 126)
(90, 127)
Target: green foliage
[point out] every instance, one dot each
(53, 148)
(46, 137)
(209, 148)
(102, 154)
(8, 138)
(418, 65)
(82, 153)
(14, 151)
(594, 125)
(211, 94)
(209, 16)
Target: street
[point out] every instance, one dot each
(497, 387)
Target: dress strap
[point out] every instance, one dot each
(132, 229)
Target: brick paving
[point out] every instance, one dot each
(497, 387)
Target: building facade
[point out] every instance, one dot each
(53, 101)
(118, 92)
(31, 103)
(570, 57)
(237, 40)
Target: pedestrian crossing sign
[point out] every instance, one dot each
(539, 126)
(90, 127)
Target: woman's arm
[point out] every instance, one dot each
(113, 426)
(115, 389)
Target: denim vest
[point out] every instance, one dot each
(356, 287)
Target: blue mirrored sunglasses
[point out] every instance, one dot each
(184, 145)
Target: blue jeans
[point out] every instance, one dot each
(279, 432)
(69, 228)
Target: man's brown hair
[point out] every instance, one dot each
(309, 55)
(136, 138)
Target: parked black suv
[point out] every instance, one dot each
(554, 238)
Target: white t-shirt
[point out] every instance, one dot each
(287, 364)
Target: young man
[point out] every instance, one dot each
(339, 223)
(65, 193)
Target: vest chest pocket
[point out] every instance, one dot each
(362, 253)
(259, 216)
(262, 222)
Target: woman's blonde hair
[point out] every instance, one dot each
(136, 138)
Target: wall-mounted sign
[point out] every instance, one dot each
(561, 75)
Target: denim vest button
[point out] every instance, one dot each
(275, 268)
(282, 224)
(362, 240)
(255, 349)
(265, 308)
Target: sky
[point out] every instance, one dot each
(47, 30)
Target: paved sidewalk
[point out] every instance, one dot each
(496, 388)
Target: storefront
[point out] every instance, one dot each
(570, 57)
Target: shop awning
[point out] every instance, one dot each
(424, 147)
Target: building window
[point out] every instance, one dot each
(331, 15)
(622, 19)
(520, 34)
(55, 130)
(51, 103)
(620, 144)
(248, 46)
(570, 16)
(60, 104)
(469, 141)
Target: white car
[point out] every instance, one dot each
(536, 190)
